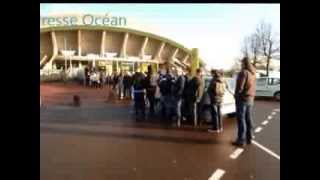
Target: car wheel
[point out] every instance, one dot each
(277, 96)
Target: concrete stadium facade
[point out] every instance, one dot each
(111, 48)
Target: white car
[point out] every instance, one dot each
(268, 87)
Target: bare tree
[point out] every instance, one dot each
(251, 47)
(246, 46)
(254, 47)
(269, 42)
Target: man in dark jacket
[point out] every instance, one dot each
(151, 89)
(216, 91)
(191, 96)
(139, 90)
(165, 85)
(244, 95)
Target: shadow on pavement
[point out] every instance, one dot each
(161, 138)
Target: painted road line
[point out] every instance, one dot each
(266, 149)
(258, 129)
(236, 153)
(269, 117)
(273, 113)
(217, 174)
(265, 122)
(276, 110)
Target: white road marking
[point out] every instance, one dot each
(258, 129)
(265, 122)
(217, 174)
(274, 113)
(266, 149)
(269, 117)
(276, 110)
(236, 153)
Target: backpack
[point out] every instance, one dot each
(166, 85)
(219, 89)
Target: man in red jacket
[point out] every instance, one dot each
(244, 95)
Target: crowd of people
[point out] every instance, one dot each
(178, 96)
(173, 94)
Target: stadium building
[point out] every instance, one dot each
(111, 49)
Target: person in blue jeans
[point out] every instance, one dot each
(244, 96)
(216, 92)
(178, 87)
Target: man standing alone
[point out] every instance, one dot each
(244, 95)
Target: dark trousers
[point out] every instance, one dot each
(151, 99)
(167, 108)
(244, 119)
(139, 104)
(191, 112)
(127, 91)
(216, 116)
(87, 81)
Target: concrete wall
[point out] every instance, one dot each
(71, 40)
(113, 42)
(90, 42)
(189, 60)
(167, 52)
(180, 55)
(134, 45)
(152, 47)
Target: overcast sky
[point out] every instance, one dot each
(216, 29)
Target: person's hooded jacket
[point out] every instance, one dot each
(246, 84)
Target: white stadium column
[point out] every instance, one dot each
(55, 50)
(174, 54)
(185, 59)
(123, 53)
(103, 38)
(143, 47)
(79, 42)
(158, 55)
(43, 59)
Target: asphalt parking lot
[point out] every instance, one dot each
(100, 140)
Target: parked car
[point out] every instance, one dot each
(268, 87)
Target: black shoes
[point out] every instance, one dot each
(236, 143)
(249, 142)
